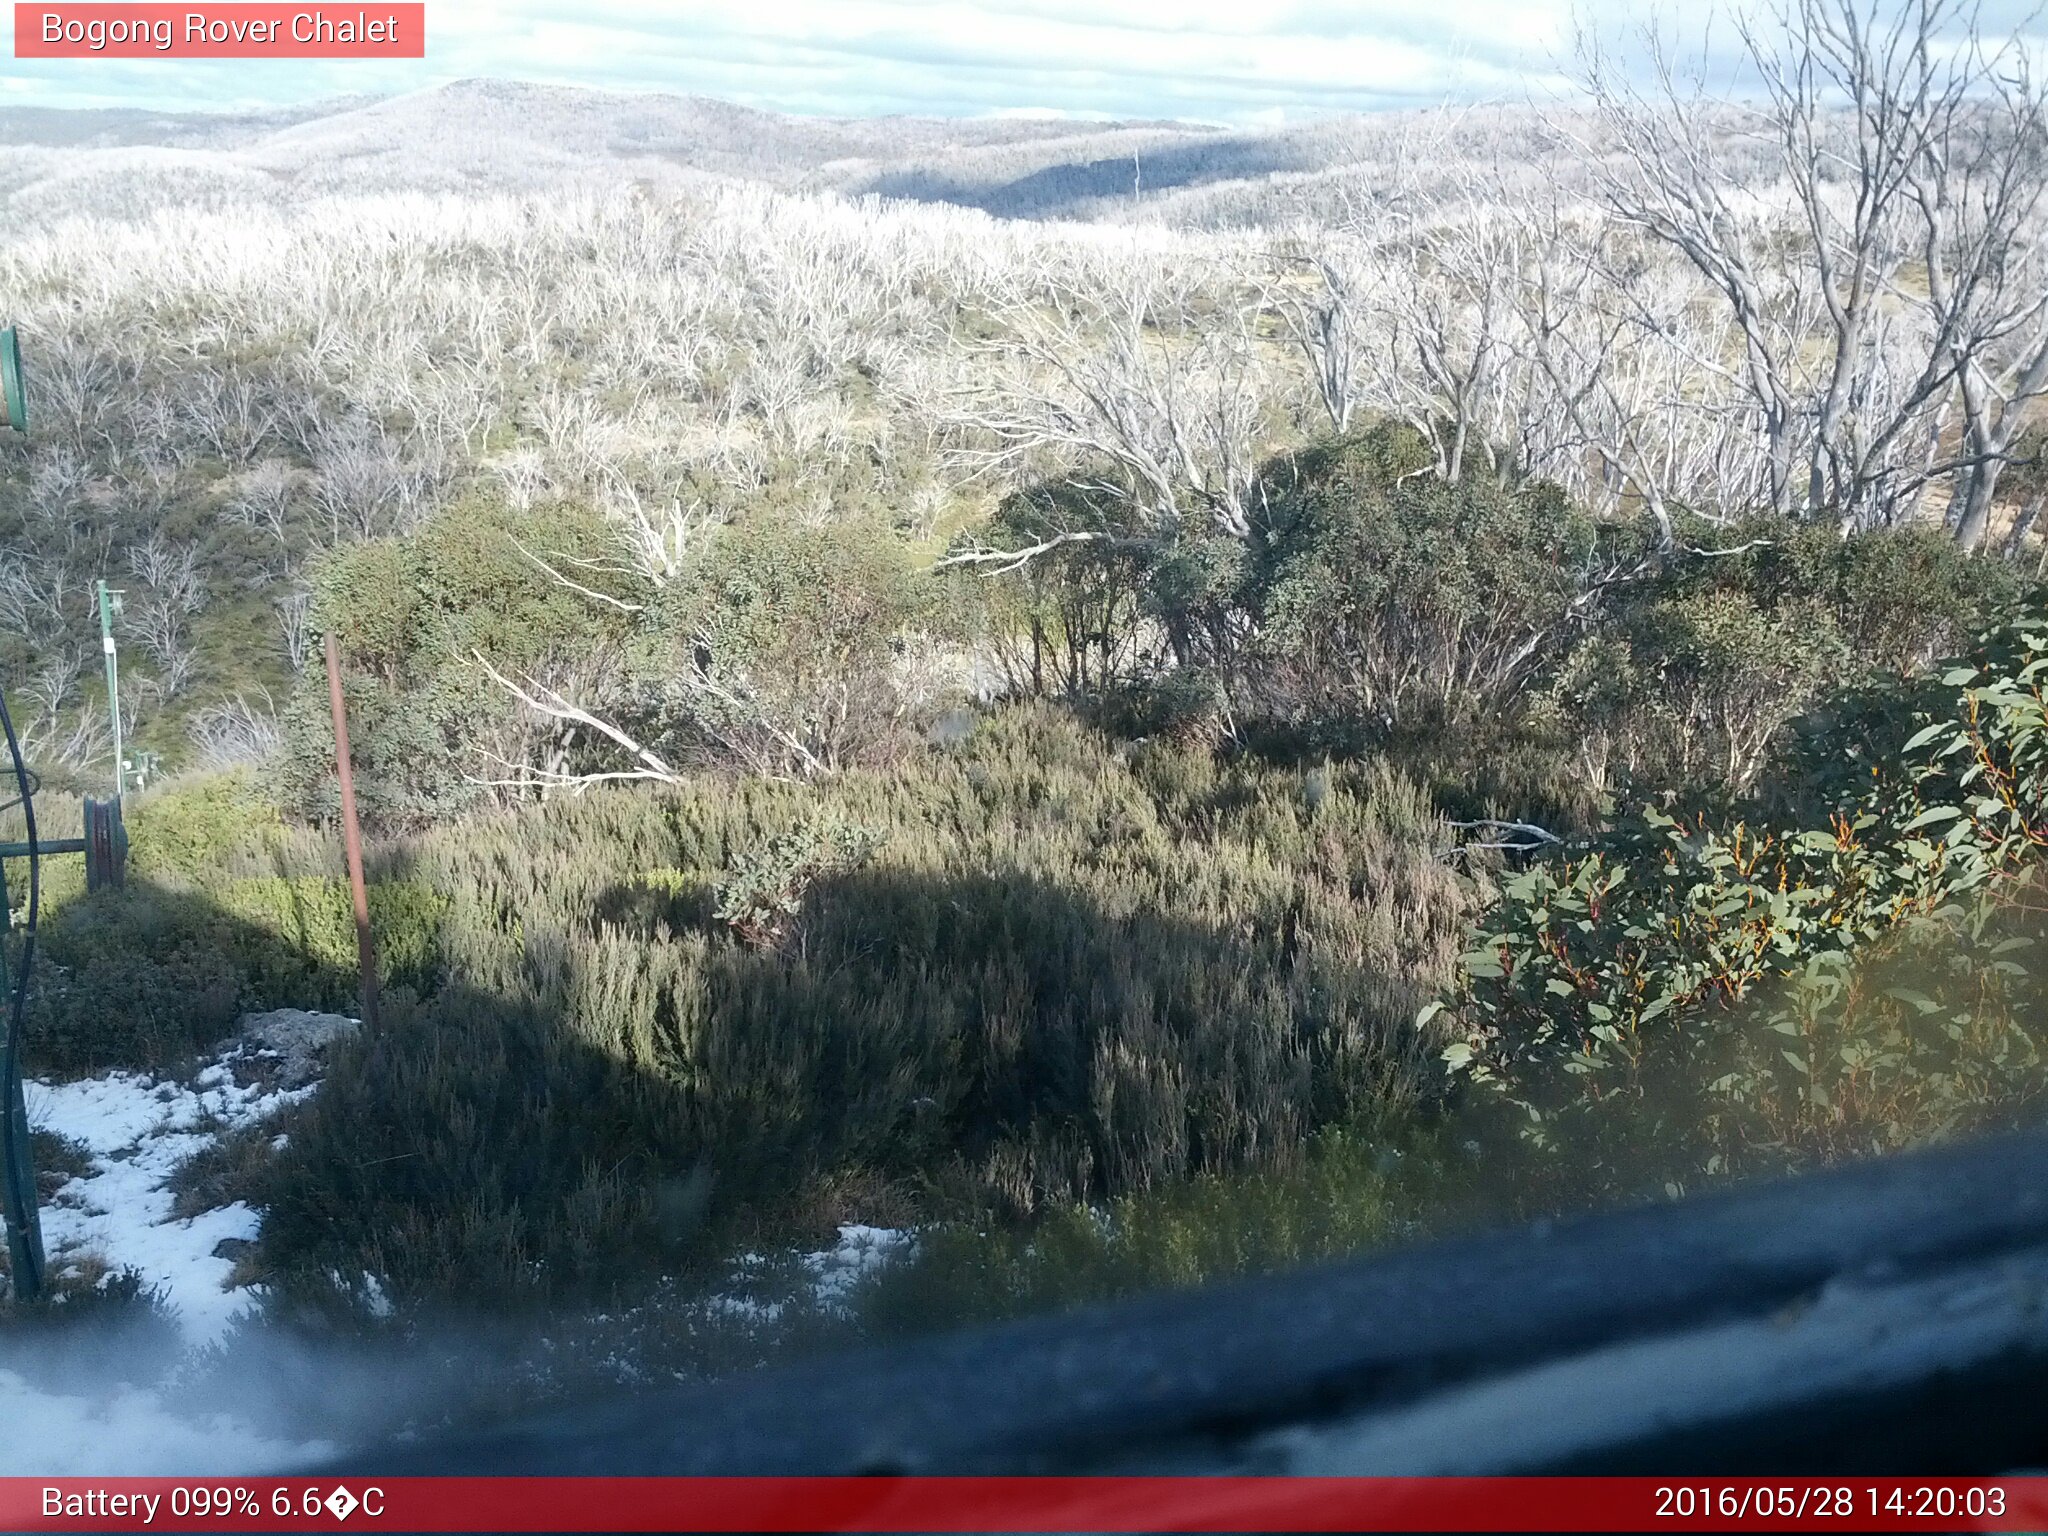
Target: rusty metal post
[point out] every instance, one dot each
(352, 838)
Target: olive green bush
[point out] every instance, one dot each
(1521, 657)
(1379, 595)
(1613, 970)
(1072, 621)
(1067, 971)
(780, 647)
(779, 651)
(763, 896)
(411, 616)
(225, 911)
(1698, 665)
(1360, 1188)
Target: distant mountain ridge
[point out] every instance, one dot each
(480, 135)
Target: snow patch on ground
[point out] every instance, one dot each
(139, 1131)
(829, 1275)
(128, 1433)
(860, 1253)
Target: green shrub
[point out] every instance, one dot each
(1932, 1030)
(1069, 621)
(1068, 971)
(1611, 972)
(133, 978)
(778, 650)
(1698, 667)
(1350, 1191)
(1381, 595)
(1519, 656)
(92, 1324)
(225, 911)
(764, 895)
(141, 977)
(314, 920)
(410, 616)
(190, 831)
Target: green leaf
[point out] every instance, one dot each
(1921, 737)
(1931, 816)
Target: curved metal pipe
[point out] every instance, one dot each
(17, 1167)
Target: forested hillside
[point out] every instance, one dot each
(1133, 700)
(487, 135)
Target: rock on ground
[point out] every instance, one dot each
(292, 1044)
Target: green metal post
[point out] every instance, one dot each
(13, 397)
(110, 604)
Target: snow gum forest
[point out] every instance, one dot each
(962, 717)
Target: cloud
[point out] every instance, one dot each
(1216, 60)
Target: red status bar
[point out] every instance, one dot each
(1050, 1504)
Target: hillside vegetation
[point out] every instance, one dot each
(1423, 670)
(1005, 961)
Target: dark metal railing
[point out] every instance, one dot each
(17, 1167)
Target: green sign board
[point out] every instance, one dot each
(13, 399)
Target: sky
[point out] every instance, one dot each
(1240, 61)
(1233, 61)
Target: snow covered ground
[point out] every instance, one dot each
(130, 1431)
(137, 1131)
(830, 1274)
(860, 1253)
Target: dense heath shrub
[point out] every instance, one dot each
(1380, 594)
(1846, 963)
(411, 614)
(225, 911)
(1056, 964)
(1066, 971)
(1078, 619)
(781, 650)
(1354, 1189)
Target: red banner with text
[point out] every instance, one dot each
(1051, 1504)
(231, 31)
